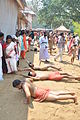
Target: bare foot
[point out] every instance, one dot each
(77, 78)
(75, 100)
(72, 93)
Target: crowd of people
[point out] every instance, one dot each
(12, 49)
(15, 47)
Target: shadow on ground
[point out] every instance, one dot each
(12, 105)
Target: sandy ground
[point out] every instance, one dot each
(11, 100)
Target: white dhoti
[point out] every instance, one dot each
(43, 48)
(11, 65)
(43, 53)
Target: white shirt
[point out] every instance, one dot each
(1, 54)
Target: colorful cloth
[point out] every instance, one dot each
(55, 76)
(41, 94)
(70, 44)
(24, 41)
(22, 44)
(23, 54)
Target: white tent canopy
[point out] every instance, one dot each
(62, 29)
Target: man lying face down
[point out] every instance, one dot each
(53, 76)
(31, 65)
(41, 94)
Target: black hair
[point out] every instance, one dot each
(16, 83)
(74, 36)
(8, 37)
(30, 64)
(45, 34)
(22, 32)
(30, 35)
(35, 49)
(1, 34)
(29, 74)
(61, 34)
(75, 45)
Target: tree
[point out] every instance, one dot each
(59, 11)
(76, 27)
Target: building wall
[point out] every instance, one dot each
(23, 25)
(29, 17)
(8, 16)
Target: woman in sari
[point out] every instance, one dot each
(10, 55)
(23, 44)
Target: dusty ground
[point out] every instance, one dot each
(11, 100)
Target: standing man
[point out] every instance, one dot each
(61, 43)
(43, 48)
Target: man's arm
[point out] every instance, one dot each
(27, 92)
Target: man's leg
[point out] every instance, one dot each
(52, 98)
(40, 62)
(71, 77)
(65, 74)
(61, 52)
(57, 55)
(62, 93)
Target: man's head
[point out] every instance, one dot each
(17, 84)
(1, 36)
(31, 74)
(45, 34)
(62, 34)
(8, 39)
(31, 65)
(75, 45)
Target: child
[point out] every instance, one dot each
(73, 52)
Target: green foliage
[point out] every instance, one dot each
(56, 12)
(76, 27)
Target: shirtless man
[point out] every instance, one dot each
(53, 76)
(40, 94)
(31, 65)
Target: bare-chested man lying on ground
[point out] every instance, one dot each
(40, 94)
(31, 65)
(57, 76)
